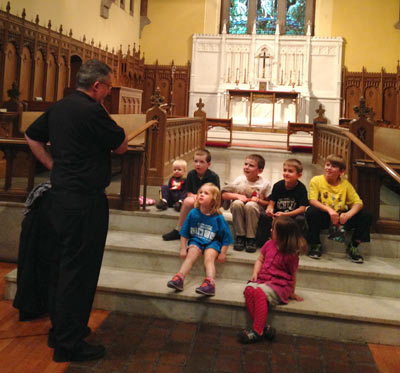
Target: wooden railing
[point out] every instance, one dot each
(174, 138)
(147, 161)
(131, 174)
(330, 139)
(364, 166)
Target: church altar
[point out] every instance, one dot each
(296, 72)
(261, 105)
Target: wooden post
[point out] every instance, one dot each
(157, 141)
(201, 114)
(131, 173)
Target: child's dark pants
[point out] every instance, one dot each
(318, 220)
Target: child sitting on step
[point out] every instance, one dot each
(246, 210)
(204, 232)
(195, 179)
(173, 194)
(334, 201)
(274, 277)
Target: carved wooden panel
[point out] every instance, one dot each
(62, 78)
(51, 78)
(55, 59)
(10, 68)
(25, 79)
(379, 91)
(389, 105)
(39, 75)
(180, 95)
(352, 98)
(373, 100)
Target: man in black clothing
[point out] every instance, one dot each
(82, 135)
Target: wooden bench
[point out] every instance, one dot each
(220, 122)
(294, 127)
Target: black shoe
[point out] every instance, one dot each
(269, 333)
(249, 336)
(161, 205)
(170, 236)
(83, 352)
(251, 246)
(29, 316)
(240, 243)
(51, 341)
(177, 206)
(315, 251)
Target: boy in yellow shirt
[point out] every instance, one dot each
(334, 201)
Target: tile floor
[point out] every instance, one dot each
(146, 344)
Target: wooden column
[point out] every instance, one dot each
(131, 173)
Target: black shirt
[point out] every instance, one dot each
(81, 134)
(193, 182)
(287, 200)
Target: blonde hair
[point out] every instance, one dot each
(289, 238)
(180, 163)
(216, 198)
(293, 162)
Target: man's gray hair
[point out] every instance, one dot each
(90, 72)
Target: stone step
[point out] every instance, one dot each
(333, 272)
(324, 314)
(160, 222)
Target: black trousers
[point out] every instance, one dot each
(81, 225)
(318, 220)
(265, 225)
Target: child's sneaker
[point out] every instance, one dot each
(315, 251)
(269, 333)
(206, 288)
(162, 205)
(337, 233)
(176, 282)
(249, 336)
(240, 243)
(171, 236)
(354, 255)
(178, 206)
(251, 246)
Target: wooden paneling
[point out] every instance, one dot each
(62, 78)
(26, 69)
(51, 78)
(173, 82)
(39, 75)
(54, 58)
(379, 91)
(10, 69)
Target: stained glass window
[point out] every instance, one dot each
(295, 17)
(267, 11)
(238, 15)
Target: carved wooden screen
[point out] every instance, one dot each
(62, 78)
(25, 77)
(43, 61)
(166, 77)
(39, 75)
(379, 91)
(10, 68)
(51, 78)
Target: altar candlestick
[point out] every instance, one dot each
(237, 74)
(229, 75)
(244, 76)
